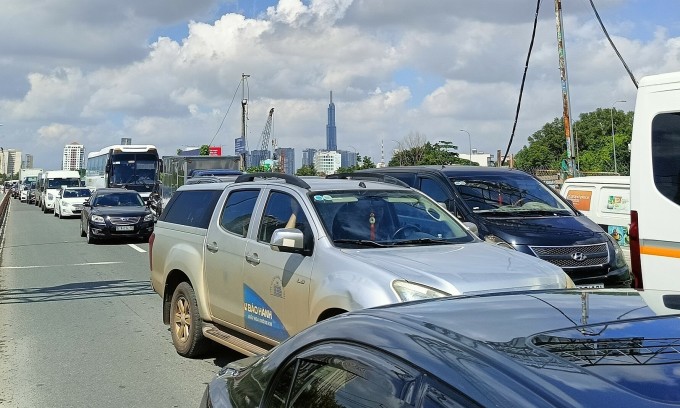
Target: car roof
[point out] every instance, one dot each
(557, 340)
(451, 170)
(310, 184)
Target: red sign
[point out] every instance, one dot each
(215, 151)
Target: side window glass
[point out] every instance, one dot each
(192, 208)
(281, 211)
(666, 155)
(237, 211)
(433, 189)
(343, 376)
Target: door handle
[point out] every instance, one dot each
(212, 247)
(253, 259)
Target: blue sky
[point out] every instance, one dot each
(165, 74)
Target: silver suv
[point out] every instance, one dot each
(250, 263)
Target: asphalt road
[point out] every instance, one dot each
(80, 325)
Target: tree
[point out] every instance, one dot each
(417, 150)
(204, 150)
(306, 170)
(593, 148)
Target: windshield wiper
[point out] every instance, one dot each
(521, 213)
(363, 242)
(423, 241)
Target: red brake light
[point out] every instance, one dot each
(635, 264)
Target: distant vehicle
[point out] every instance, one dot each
(50, 184)
(177, 170)
(134, 167)
(70, 200)
(655, 183)
(603, 199)
(541, 349)
(27, 176)
(515, 210)
(115, 213)
(248, 263)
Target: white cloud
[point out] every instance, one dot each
(394, 67)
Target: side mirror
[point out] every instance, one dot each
(86, 203)
(472, 227)
(287, 240)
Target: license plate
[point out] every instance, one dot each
(125, 228)
(591, 286)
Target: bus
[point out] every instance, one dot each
(134, 167)
(655, 184)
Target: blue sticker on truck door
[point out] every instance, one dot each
(260, 318)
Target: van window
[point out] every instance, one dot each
(665, 153)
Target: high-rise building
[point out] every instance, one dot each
(327, 162)
(286, 158)
(259, 156)
(308, 157)
(10, 161)
(348, 159)
(331, 131)
(74, 155)
(28, 163)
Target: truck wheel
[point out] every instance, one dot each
(185, 322)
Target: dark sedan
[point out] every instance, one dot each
(115, 213)
(569, 348)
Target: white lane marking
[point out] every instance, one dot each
(136, 248)
(57, 266)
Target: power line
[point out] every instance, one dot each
(225, 114)
(630, 73)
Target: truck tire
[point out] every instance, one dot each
(185, 322)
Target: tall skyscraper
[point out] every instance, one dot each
(286, 155)
(74, 155)
(29, 161)
(308, 157)
(10, 161)
(331, 135)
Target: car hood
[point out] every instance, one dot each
(121, 211)
(469, 268)
(545, 231)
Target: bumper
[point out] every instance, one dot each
(70, 211)
(109, 231)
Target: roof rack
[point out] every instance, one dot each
(367, 175)
(290, 179)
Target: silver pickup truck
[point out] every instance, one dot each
(251, 262)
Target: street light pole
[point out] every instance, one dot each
(469, 141)
(611, 113)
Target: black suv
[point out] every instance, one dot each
(513, 209)
(115, 213)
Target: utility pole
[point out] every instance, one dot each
(244, 106)
(565, 89)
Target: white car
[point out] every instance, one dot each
(69, 201)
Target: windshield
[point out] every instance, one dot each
(118, 200)
(135, 171)
(58, 182)
(508, 193)
(85, 192)
(386, 218)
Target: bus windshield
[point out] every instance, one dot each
(135, 171)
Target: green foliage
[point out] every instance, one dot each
(204, 150)
(257, 169)
(594, 146)
(306, 170)
(440, 153)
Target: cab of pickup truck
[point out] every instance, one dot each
(251, 262)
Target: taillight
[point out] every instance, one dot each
(635, 264)
(151, 239)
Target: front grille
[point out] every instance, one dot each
(124, 220)
(578, 256)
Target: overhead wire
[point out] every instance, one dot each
(225, 114)
(630, 73)
(524, 78)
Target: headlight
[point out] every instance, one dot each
(50, 196)
(97, 218)
(408, 291)
(492, 239)
(65, 204)
(619, 259)
(148, 217)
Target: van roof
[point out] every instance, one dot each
(622, 180)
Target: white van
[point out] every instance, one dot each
(53, 180)
(603, 199)
(655, 183)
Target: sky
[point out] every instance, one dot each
(169, 72)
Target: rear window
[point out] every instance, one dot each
(666, 155)
(192, 207)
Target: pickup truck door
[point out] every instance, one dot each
(276, 284)
(224, 255)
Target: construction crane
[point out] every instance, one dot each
(266, 133)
